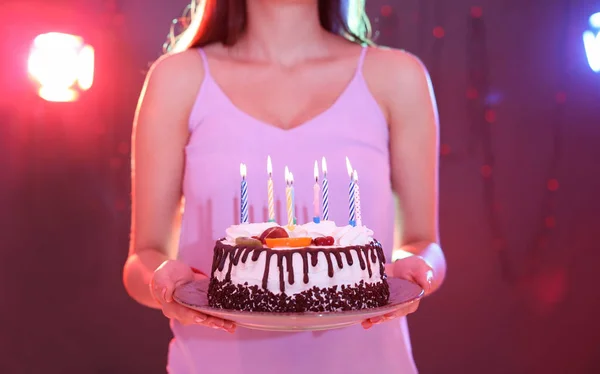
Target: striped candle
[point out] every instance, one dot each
(357, 199)
(351, 195)
(316, 195)
(288, 197)
(271, 200)
(325, 191)
(244, 196)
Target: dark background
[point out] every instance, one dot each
(520, 118)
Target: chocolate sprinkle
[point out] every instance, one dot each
(226, 295)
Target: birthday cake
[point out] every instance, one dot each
(315, 267)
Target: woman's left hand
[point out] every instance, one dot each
(414, 269)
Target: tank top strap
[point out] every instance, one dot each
(204, 61)
(361, 60)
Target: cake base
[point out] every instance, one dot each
(226, 295)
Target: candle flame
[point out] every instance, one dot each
(287, 175)
(316, 171)
(324, 166)
(291, 178)
(355, 175)
(349, 167)
(269, 166)
(243, 170)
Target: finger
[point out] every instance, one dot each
(220, 324)
(410, 308)
(424, 279)
(158, 291)
(413, 307)
(200, 276)
(187, 316)
(368, 323)
(169, 289)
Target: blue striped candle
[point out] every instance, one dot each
(316, 195)
(357, 199)
(244, 196)
(325, 191)
(351, 195)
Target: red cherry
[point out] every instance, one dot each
(320, 241)
(329, 240)
(259, 239)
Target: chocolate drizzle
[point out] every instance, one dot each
(366, 255)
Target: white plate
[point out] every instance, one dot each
(193, 295)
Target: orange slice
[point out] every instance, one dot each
(288, 242)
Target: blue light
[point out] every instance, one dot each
(595, 20)
(591, 43)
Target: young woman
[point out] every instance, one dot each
(290, 79)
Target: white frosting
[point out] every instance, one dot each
(252, 272)
(352, 235)
(344, 236)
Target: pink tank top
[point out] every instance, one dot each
(223, 136)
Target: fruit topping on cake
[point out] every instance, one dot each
(288, 242)
(274, 233)
(324, 241)
(248, 242)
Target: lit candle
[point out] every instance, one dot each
(317, 190)
(351, 195)
(271, 202)
(325, 191)
(357, 199)
(288, 197)
(295, 221)
(244, 196)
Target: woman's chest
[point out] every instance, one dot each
(214, 155)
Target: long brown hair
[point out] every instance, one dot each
(224, 21)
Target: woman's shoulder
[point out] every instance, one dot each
(176, 76)
(393, 65)
(175, 69)
(392, 74)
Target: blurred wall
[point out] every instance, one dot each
(65, 194)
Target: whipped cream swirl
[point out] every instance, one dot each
(353, 235)
(313, 230)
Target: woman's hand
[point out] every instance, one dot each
(166, 278)
(414, 269)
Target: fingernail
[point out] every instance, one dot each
(227, 325)
(199, 319)
(376, 320)
(429, 275)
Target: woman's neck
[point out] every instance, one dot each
(283, 32)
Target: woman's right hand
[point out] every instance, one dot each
(166, 278)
